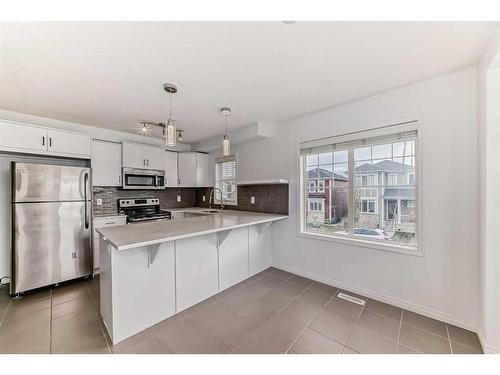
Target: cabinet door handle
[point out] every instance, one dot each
(144, 162)
(119, 179)
(43, 141)
(50, 141)
(110, 223)
(148, 162)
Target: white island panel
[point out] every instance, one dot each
(197, 270)
(142, 288)
(259, 248)
(233, 257)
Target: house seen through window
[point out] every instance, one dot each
(363, 189)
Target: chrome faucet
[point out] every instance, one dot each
(212, 192)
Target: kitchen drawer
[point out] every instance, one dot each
(102, 222)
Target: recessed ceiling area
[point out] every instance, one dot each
(110, 74)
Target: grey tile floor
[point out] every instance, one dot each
(272, 312)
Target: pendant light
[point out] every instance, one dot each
(226, 143)
(169, 131)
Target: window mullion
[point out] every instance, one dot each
(350, 211)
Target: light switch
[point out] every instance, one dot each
(252, 200)
(178, 198)
(98, 201)
(204, 199)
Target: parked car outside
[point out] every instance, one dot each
(377, 234)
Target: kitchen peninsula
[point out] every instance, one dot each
(151, 271)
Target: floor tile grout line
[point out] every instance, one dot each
(50, 324)
(308, 326)
(399, 331)
(277, 312)
(159, 338)
(449, 340)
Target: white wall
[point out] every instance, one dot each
(445, 282)
(489, 202)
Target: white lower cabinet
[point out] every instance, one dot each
(259, 248)
(140, 286)
(233, 257)
(197, 272)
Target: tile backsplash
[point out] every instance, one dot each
(271, 199)
(168, 198)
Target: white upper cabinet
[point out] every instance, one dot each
(194, 170)
(136, 155)
(62, 142)
(171, 176)
(26, 138)
(14, 137)
(155, 158)
(106, 163)
(204, 174)
(187, 169)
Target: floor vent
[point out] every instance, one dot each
(352, 299)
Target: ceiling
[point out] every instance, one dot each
(110, 74)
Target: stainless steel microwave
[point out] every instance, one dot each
(146, 179)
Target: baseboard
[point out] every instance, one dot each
(382, 297)
(487, 349)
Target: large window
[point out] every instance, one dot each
(225, 179)
(367, 184)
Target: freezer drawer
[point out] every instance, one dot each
(43, 183)
(50, 244)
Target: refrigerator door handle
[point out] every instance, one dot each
(85, 184)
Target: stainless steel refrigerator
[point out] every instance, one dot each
(51, 231)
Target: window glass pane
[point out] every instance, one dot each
(398, 149)
(341, 169)
(340, 157)
(382, 151)
(364, 153)
(326, 158)
(312, 173)
(312, 160)
(325, 171)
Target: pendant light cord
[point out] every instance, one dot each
(170, 116)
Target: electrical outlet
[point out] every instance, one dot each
(252, 200)
(178, 198)
(204, 199)
(98, 202)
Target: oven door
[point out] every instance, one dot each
(143, 179)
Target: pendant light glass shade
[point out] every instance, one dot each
(226, 143)
(170, 133)
(226, 146)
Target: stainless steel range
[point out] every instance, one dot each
(139, 210)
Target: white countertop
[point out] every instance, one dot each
(125, 237)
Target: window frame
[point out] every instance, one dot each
(389, 130)
(219, 160)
